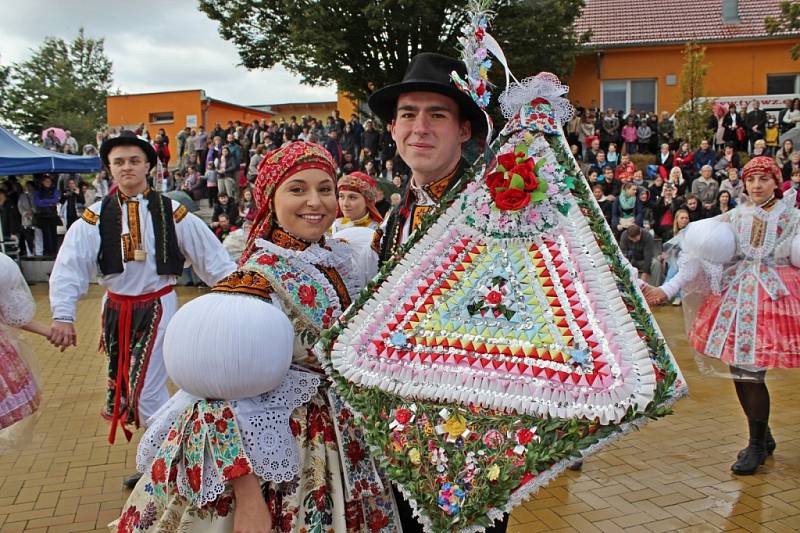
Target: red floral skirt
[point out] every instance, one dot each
(777, 338)
(19, 393)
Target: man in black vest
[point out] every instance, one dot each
(138, 240)
(429, 119)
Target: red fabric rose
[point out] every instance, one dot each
(497, 180)
(494, 297)
(355, 452)
(221, 426)
(239, 468)
(512, 199)
(173, 474)
(403, 416)
(507, 161)
(307, 295)
(158, 472)
(227, 413)
(525, 170)
(524, 436)
(208, 417)
(193, 475)
(196, 427)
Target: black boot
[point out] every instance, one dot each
(131, 481)
(771, 445)
(756, 452)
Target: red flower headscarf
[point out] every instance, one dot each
(766, 166)
(364, 185)
(273, 170)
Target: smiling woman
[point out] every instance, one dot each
(285, 452)
(305, 204)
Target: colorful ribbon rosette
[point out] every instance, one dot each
(510, 337)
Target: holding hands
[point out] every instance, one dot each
(653, 295)
(62, 335)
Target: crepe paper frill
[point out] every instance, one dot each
(507, 339)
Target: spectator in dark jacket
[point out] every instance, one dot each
(639, 248)
(692, 205)
(225, 207)
(9, 222)
(370, 138)
(703, 156)
(45, 199)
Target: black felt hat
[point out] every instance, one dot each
(430, 72)
(128, 138)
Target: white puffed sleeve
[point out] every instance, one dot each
(365, 259)
(74, 269)
(203, 250)
(228, 346)
(16, 304)
(794, 256)
(707, 246)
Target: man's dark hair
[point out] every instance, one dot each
(633, 230)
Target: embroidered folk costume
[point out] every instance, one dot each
(138, 245)
(746, 264)
(511, 338)
(298, 437)
(739, 274)
(20, 394)
(364, 185)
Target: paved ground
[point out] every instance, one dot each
(672, 475)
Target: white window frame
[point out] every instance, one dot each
(628, 93)
(796, 80)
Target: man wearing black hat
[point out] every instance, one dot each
(139, 241)
(429, 119)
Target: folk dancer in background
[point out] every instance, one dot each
(139, 241)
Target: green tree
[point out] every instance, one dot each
(787, 22)
(539, 35)
(694, 111)
(362, 45)
(62, 85)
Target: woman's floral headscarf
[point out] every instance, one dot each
(273, 170)
(364, 185)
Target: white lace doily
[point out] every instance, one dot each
(543, 85)
(264, 425)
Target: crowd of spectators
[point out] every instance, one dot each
(643, 177)
(218, 166)
(649, 202)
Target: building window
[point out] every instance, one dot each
(626, 94)
(162, 118)
(783, 83)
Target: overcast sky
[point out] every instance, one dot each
(155, 45)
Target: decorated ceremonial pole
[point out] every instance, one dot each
(508, 337)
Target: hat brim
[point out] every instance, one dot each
(110, 144)
(383, 102)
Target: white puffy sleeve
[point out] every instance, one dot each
(362, 242)
(16, 305)
(707, 247)
(74, 269)
(794, 256)
(201, 247)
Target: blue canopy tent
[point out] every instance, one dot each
(20, 157)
